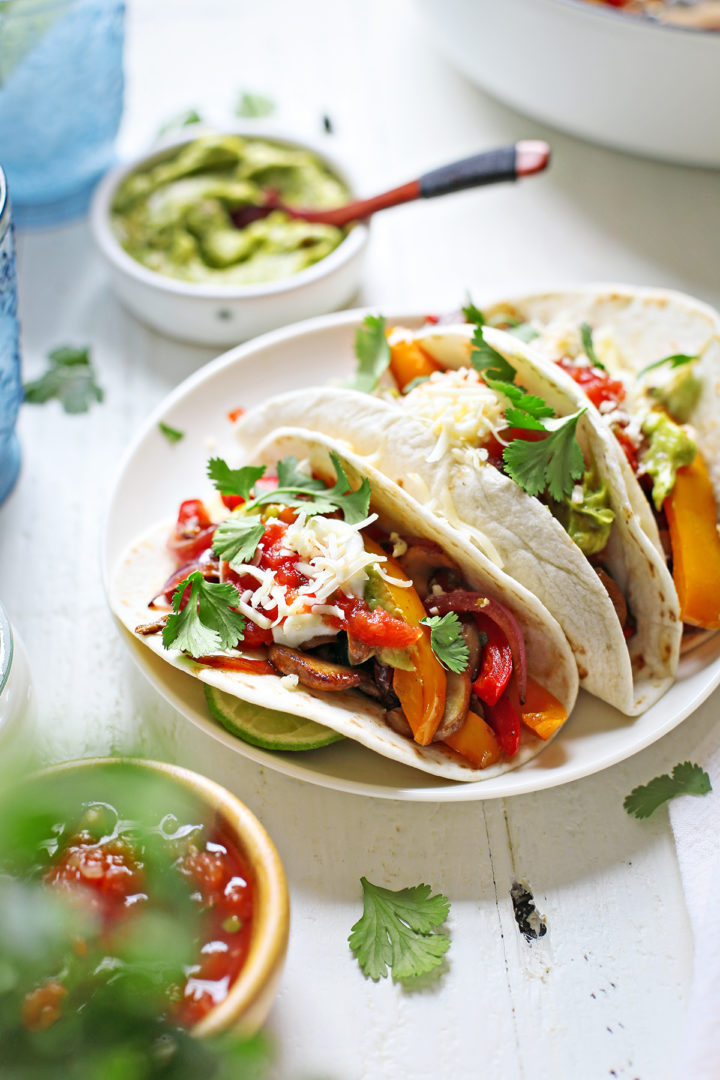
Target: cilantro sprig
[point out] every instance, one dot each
(207, 623)
(589, 347)
(527, 410)
(70, 378)
(399, 930)
(236, 539)
(295, 488)
(687, 778)
(172, 434)
(553, 463)
(234, 481)
(447, 641)
(675, 361)
(372, 352)
(488, 361)
(472, 313)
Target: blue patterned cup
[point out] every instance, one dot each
(10, 382)
(61, 100)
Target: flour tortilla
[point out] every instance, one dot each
(147, 564)
(511, 528)
(646, 325)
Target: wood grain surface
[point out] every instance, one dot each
(602, 992)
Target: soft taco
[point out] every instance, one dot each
(649, 360)
(319, 588)
(565, 528)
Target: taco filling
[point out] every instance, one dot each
(650, 412)
(296, 578)
(482, 411)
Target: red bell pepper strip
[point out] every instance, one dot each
(505, 722)
(496, 663)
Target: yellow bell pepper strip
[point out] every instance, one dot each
(692, 519)
(476, 742)
(408, 362)
(542, 712)
(422, 692)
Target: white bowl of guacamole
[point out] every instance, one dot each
(175, 228)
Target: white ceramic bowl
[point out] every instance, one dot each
(225, 314)
(592, 71)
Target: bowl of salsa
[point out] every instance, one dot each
(194, 249)
(169, 882)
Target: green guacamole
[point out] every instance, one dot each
(174, 216)
(670, 448)
(680, 395)
(587, 520)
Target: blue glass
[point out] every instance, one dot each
(61, 98)
(10, 382)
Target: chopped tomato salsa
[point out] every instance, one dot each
(595, 382)
(118, 869)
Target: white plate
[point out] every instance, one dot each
(156, 476)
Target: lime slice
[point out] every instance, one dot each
(265, 727)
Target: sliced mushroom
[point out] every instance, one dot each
(615, 593)
(457, 703)
(397, 720)
(383, 677)
(152, 627)
(312, 672)
(421, 562)
(358, 652)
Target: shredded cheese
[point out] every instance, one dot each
(460, 409)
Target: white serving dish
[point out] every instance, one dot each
(155, 476)
(225, 315)
(592, 71)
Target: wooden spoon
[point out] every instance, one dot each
(490, 167)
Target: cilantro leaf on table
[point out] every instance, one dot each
(553, 463)
(488, 361)
(686, 779)
(236, 539)
(250, 105)
(234, 481)
(526, 410)
(206, 624)
(447, 641)
(372, 352)
(675, 361)
(588, 346)
(399, 930)
(172, 434)
(70, 378)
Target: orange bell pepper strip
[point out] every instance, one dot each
(422, 692)
(408, 362)
(476, 742)
(542, 712)
(692, 519)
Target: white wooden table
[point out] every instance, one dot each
(602, 993)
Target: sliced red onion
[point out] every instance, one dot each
(462, 600)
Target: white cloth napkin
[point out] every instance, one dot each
(696, 825)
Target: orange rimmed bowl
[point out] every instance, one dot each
(252, 993)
